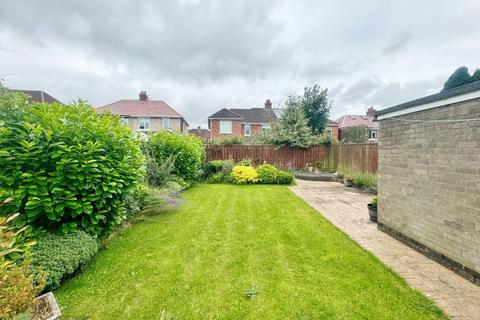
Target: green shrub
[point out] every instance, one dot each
(12, 246)
(243, 175)
(135, 200)
(217, 178)
(61, 255)
(326, 139)
(374, 201)
(227, 166)
(67, 168)
(227, 141)
(212, 167)
(157, 174)
(188, 150)
(364, 180)
(246, 162)
(267, 174)
(285, 177)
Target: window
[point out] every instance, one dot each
(266, 127)
(247, 130)
(124, 121)
(225, 127)
(144, 123)
(373, 134)
(166, 122)
(329, 131)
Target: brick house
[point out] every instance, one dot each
(332, 128)
(350, 120)
(429, 176)
(203, 134)
(227, 123)
(146, 115)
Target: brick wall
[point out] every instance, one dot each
(335, 132)
(238, 129)
(429, 180)
(215, 130)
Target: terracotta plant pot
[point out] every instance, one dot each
(46, 307)
(372, 211)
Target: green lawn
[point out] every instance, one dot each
(198, 261)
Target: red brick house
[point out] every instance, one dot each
(228, 123)
(332, 128)
(357, 120)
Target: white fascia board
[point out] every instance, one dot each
(434, 104)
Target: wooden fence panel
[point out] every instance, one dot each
(348, 157)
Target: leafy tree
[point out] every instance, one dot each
(476, 75)
(291, 130)
(457, 79)
(315, 105)
(355, 134)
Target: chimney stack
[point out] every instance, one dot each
(371, 112)
(268, 104)
(142, 96)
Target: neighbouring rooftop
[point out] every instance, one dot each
(37, 96)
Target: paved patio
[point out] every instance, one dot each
(347, 209)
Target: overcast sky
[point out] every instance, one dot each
(200, 56)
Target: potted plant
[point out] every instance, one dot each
(348, 181)
(372, 209)
(340, 176)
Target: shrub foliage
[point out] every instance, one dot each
(59, 256)
(65, 167)
(18, 289)
(243, 175)
(187, 150)
(267, 174)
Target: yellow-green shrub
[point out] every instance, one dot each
(244, 175)
(18, 289)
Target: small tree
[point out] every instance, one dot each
(457, 79)
(291, 130)
(315, 105)
(476, 75)
(355, 134)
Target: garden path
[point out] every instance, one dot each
(347, 209)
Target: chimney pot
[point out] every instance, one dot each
(142, 96)
(371, 112)
(268, 104)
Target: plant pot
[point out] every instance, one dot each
(46, 307)
(347, 183)
(372, 211)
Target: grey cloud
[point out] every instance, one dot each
(360, 89)
(200, 56)
(178, 40)
(397, 43)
